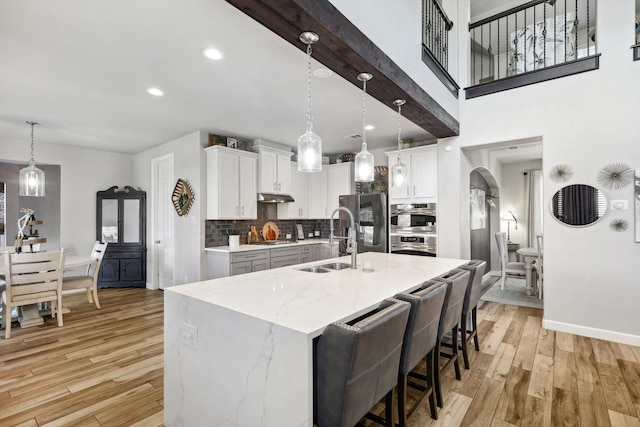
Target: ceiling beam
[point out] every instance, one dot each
(348, 52)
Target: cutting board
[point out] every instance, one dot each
(270, 231)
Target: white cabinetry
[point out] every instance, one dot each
(422, 184)
(231, 183)
(339, 181)
(299, 208)
(318, 188)
(275, 173)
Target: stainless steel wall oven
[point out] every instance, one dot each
(413, 229)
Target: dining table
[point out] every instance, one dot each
(31, 315)
(529, 255)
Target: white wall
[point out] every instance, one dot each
(83, 172)
(395, 26)
(189, 232)
(589, 120)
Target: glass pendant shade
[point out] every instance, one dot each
(364, 159)
(31, 178)
(364, 165)
(309, 144)
(399, 174)
(309, 151)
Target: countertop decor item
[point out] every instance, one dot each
(270, 231)
(364, 159)
(309, 144)
(182, 197)
(32, 178)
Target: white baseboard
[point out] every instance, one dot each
(592, 332)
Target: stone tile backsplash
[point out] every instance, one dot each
(217, 231)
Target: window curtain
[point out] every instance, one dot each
(533, 185)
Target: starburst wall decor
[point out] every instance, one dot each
(615, 176)
(561, 173)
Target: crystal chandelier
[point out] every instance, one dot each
(309, 144)
(32, 178)
(364, 159)
(399, 170)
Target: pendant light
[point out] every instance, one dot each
(399, 170)
(364, 159)
(309, 144)
(32, 178)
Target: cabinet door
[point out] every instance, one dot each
(268, 182)
(284, 174)
(228, 190)
(317, 191)
(400, 193)
(248, 187)
(131, 270)
(424, 174)
(240, 268)
(109, 271)
(299, 190)
(340, 181)
(260, 264)
(315, 253)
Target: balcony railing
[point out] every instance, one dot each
(435, 42)
(536, 39)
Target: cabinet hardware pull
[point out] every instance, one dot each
(414, 190)
(279, 186)
(243, 210)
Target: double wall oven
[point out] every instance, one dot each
(413, 229)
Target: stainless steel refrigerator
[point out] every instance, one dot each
(370, 215)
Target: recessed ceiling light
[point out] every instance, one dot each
(212, 53)
(155, 91)
(322, 73)
(369, 127)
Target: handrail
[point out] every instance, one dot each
(509, 12)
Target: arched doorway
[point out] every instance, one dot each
(484, 215)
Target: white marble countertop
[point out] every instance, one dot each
(258, 246)
(306, 302)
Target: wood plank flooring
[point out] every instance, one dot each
(105, 368)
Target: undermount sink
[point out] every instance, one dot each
(325, 268)
(316, 269)
(336, 265)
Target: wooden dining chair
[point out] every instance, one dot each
(32, 278)
(512, 268)
(88, 281)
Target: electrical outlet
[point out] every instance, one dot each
(189, 335)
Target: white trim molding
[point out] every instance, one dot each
(586, 331)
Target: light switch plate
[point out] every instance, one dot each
(619, 205)
(189, 335)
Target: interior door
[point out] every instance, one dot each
(163, 221)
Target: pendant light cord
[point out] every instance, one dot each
(32, 162)
(364, 111)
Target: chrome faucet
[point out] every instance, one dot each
(352, 244)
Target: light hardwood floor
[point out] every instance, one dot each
(104, 367)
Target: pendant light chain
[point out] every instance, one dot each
(309, 116)
(32, 125)
(399, 124)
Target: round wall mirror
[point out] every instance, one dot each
(578, 205)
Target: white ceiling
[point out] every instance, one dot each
(81, 69)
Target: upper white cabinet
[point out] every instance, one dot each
(231, 183)
(318, 188)
(339, 181)
(422, 184)
(274, 171)
(299, 208)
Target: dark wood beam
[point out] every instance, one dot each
(348, 52)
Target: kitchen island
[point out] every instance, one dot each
(239, 350)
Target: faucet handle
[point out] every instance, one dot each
(331, 239)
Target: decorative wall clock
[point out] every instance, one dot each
(182, 197)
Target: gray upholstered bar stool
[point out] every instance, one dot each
(469, 307)
(420, 339)
(457, 282)
(357, 364)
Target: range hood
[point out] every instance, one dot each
(274, 198)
